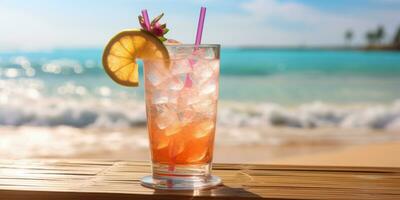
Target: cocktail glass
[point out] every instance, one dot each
(181, 106)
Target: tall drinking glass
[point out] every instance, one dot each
(181, 106)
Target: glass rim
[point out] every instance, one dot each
(194, 46)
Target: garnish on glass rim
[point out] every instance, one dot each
(157, 29)
(122, 51)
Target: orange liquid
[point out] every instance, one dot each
(181, 118)
(192, 143)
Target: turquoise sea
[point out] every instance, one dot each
(70, 81)
(254, 75)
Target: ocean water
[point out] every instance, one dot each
(258, 87)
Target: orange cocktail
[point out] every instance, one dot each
(181, 102)
(181, 86)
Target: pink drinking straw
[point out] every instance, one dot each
(146, 19)
(188, 81)
(200, 26)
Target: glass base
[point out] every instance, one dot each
(175, 183)
(181, 177)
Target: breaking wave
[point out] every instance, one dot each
(123, 113)
(316, 114)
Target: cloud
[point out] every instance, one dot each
(285, 10)
(13, 35)
(317, 26)
(253, 22)
(27, 31)
(387, 1)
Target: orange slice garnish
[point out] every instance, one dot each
(122, 51)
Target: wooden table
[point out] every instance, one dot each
(89, 179)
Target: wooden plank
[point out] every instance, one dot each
(99, 179)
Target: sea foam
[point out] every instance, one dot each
(25, 103)
(314, 114)
(113, 113)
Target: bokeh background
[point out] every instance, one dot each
(298, 77)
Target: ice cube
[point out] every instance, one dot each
(214, 65)
(205, 53)
(205, 107)
(166, 118)
(181, 66)
(175, 84)
(204, 128)
(156, 73)
(161, 144)
(199, 53)
(177, 52)
(198, 156)
(177, 146)
(188, 96)
(173, 98)
(173, 129)
(160, 108)
(159, 97)
(208, 88)
(201, 72)
(209, 53)
(186, 116)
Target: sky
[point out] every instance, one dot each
(48, 24)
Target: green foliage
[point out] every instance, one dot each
(396, 39)
(348, 36)
(375, 36)
(380, 33)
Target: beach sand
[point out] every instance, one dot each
(293, 146)
(373, 155)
